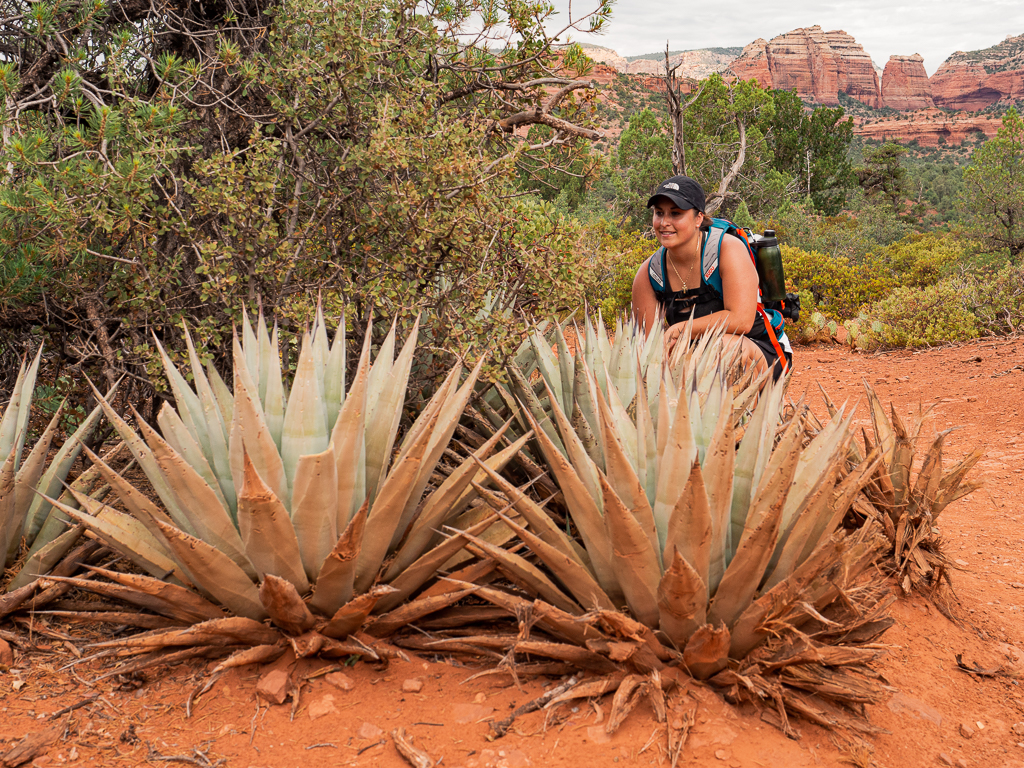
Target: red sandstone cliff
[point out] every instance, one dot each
(928, 128)
(817, 65)
(905, 85)
(974, 80)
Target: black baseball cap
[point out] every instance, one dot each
(681, 190)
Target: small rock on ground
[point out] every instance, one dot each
(412, 685)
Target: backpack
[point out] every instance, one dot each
(774, 322)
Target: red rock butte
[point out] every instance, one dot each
(905, 85)
(817, 65)
(974, 80)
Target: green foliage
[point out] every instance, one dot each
(302, 147)
(917, 317)
(838, 286)
(812, 148)
(742, 217)
(643, 161)
(616, 257)
(853, 234)
(712, 138)
(997, 301)
(993, 199)
(883, 174)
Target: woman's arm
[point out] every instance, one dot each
(645, 304)
(739, 293)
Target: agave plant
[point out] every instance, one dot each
(26, 514)
(907, 505)
(706, 517)
(285, 503)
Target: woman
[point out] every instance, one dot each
(682, 270)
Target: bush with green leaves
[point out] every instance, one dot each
(919, 317)
(997, 301)
(255, 154)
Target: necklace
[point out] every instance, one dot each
(696, 255)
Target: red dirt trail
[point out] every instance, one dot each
(937, 715)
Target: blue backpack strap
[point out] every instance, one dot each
(710, 254)
(656, 271)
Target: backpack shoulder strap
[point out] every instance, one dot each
(710, 254)
(656, 271)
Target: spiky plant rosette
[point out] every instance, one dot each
(284, 504)
(698, 510)
(34, 535)
(907, 503)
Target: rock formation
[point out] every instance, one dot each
(976, 79)
(905, 85)
(696, 64)
(929, 128)
(818, 65)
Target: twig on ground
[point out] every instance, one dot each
(415, 757)
(499, 729)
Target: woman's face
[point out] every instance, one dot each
(673, 226)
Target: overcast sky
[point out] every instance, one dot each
(934, 29)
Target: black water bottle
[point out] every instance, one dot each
(769, 267)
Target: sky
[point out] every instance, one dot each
(934, 29)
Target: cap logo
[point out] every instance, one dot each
(672, 185)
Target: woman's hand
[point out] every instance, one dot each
(672, 334)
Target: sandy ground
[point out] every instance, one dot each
(937, 715)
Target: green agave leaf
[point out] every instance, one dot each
(27, 478)
(386, 511)
(55, 475)
(180, 439)
(622, 478)
(198, 502)
(304, 432)
(251, 434)
(718, 470)
(677, 454)
(334, 376)
(216, 428)
(189, 408)
(315, 508)
(384, 398)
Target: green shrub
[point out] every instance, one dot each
(998, 301)
(614, 258)
(921, 260)
(839, 287)
(919, 317)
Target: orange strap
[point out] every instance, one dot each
(771, 335)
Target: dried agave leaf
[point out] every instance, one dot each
(525, 571)
(335, 584)
(351, 616)
(707, 652)
(577, 579)
(215, 572)
(682, 600)
(284, 605)
(152, 594)
(634, 559)
(267, 534)
(314, 508)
